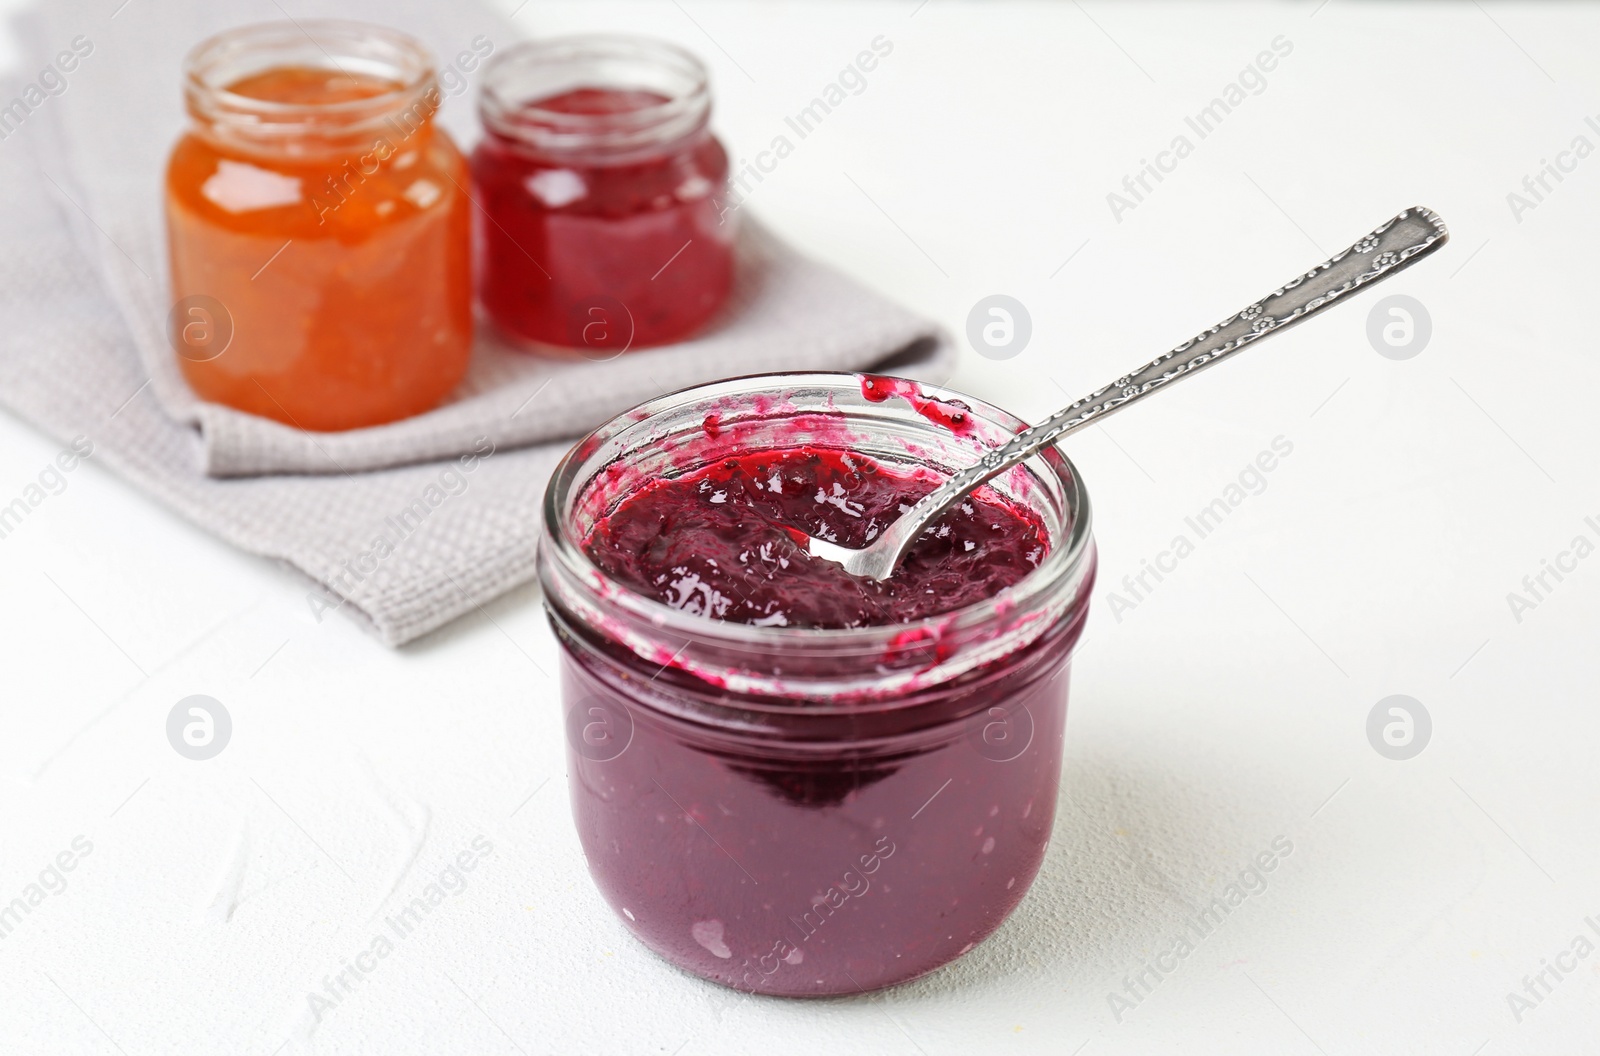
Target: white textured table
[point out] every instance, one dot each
(1215, 710)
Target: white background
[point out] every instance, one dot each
(1225, 709)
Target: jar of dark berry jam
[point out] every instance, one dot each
(786, 780)
(602, 191)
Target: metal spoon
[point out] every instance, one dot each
(1395, 245)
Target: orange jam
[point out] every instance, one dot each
(319, 233)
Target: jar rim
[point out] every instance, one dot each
(1067, 562)
(513, 115)
(400, 56)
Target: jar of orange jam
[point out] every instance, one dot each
(318, 227)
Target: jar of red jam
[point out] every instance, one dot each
(603, 194)
(318, 227)
(786, 780)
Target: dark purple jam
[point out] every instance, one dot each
(785, 842)
(727, 541)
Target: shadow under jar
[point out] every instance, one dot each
(795, 810)
(603, 192)
(318, 229)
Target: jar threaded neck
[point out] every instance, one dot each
(399, 71)
(669, 87)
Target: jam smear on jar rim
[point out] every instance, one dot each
(951, 414)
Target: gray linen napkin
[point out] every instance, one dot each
(111, 129)
(402, 549)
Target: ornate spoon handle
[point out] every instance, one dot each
(1395, 245)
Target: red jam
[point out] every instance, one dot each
(721, 542)
(595, 248)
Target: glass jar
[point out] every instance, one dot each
(807, 812)
(318, 228)
(602, 190)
